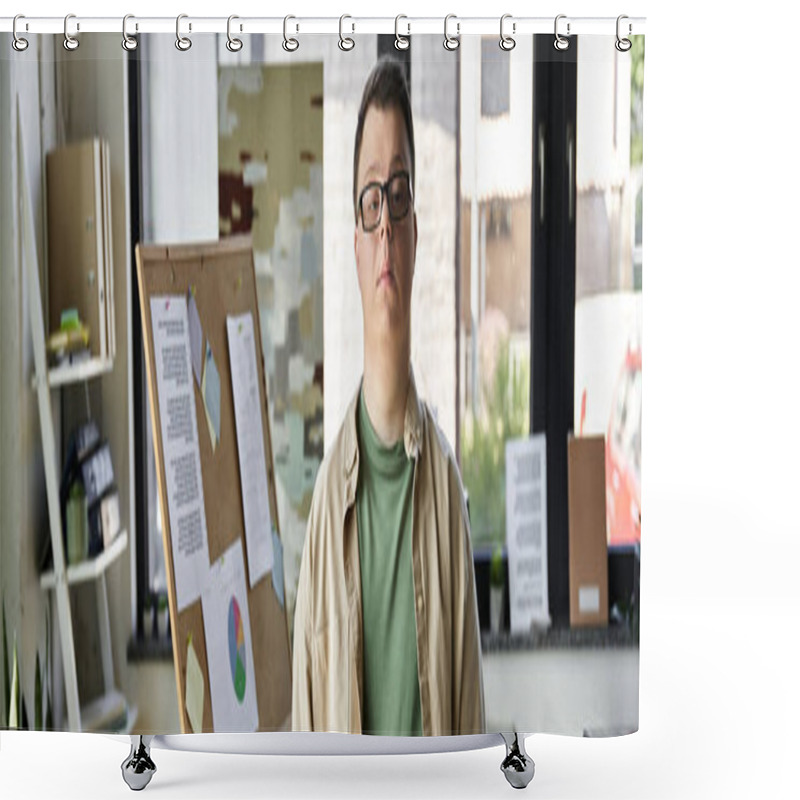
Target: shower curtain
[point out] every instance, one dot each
(467, 239)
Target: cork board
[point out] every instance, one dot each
(223, 277)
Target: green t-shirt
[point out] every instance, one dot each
(384, 513)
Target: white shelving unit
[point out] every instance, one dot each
(72, 373)
(104, 711)
(90, 570)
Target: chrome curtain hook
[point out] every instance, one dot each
(507, 42)
(234, 44)
(345, 42)
(183, 43)
(290, 44)
(70, 42)
(401, 42)
(18, 43)
(129, 43)
(451, 42)
(560, 42)
(623, 45)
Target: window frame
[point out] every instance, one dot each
(143, 645)
(553, 292)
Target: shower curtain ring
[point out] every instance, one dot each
(560, 42)
(401, 42)
(507, 42)
(18, 43)
(183, 43)
(70, 42)
(345, 42)
(290, 44)
(234, 44)
(129, 43)
(623, 45)
(451, 42)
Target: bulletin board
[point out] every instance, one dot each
(221, 278)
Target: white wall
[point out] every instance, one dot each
(180, 93)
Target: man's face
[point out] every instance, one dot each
(385, 256)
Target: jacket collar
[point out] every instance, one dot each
(412, 433)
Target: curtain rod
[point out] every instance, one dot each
(349, 25)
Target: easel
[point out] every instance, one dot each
(222, 278)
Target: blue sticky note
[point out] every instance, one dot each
(277, 566)
(211, 396)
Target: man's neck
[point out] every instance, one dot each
(386, 379)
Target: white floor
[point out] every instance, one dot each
(719, 704)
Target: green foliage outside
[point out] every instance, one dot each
(496, 577)
(504, 415)
(637, 94)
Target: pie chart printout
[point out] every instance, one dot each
(229, 644)
(236, 650)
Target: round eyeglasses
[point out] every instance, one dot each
(396, 190)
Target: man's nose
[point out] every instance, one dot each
(385, 221)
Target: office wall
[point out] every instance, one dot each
(61, 99)
(27, 82)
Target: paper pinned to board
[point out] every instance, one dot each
(211, 396)
(526, 532)
(229, 645)
(195, 337)
(195, 689)
(180, 445)
(250, 445)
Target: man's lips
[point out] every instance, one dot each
(386, 274)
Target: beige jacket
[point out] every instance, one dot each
(327, 677)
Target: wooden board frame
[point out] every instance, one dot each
(223, 275)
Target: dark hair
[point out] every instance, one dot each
(385, 88)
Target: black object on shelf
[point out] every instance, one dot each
(88, 460)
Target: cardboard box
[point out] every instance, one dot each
(78, 239)
(588, 548)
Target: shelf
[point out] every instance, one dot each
(92, 568)
(76, 373)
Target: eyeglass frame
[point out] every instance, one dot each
(384, 188)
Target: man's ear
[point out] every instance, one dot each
(355, 244)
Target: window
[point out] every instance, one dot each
(495, 276)
(495, 79)
(608, 272)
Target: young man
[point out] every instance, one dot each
(386, 634)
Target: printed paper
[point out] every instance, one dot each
(229, 646)
(195, 687)
(526, 532)
(176, 405)
(250, 443)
